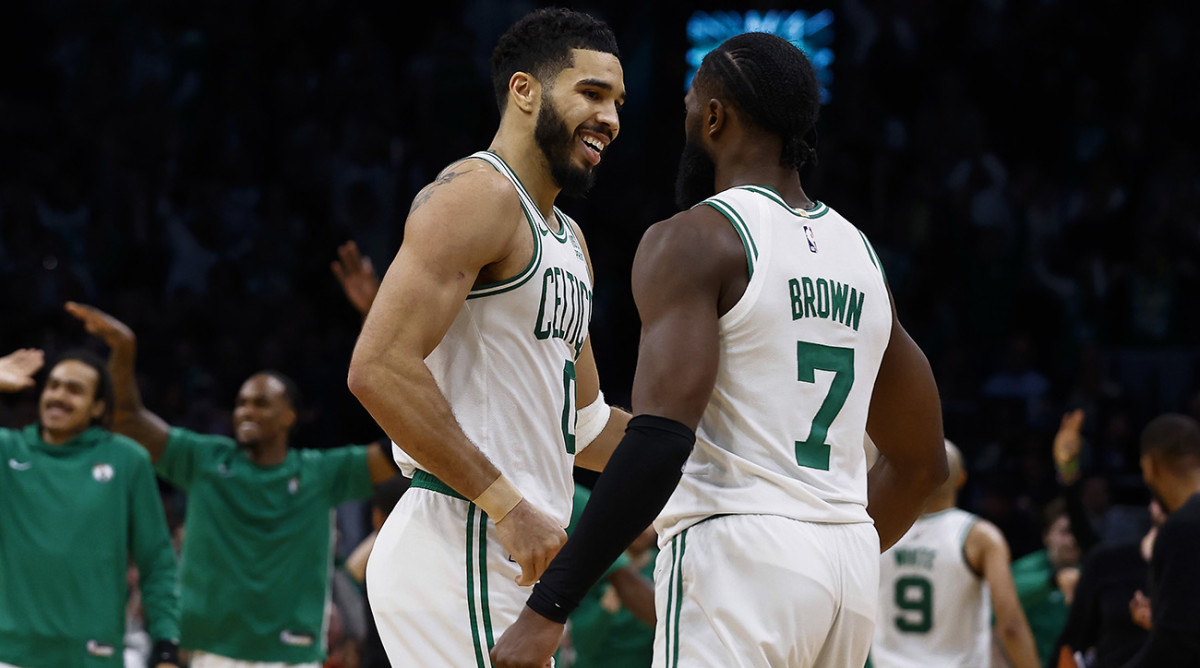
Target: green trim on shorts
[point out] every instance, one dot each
(426, 480)
(675, 599)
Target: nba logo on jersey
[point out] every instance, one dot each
(293, 485)
(812, 238)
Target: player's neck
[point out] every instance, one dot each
(268, 454)
(782, 180)
(529, 164)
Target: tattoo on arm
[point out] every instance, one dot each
(427, 192)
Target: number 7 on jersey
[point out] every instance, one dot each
(813, 452)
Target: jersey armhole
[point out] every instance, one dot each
(962, 547)
(743, 232)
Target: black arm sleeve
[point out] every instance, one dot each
(629, 494)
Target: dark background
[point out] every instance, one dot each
(1026, 169)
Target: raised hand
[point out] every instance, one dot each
(17, 369)
(357, 276)
(532, 538)
(1068, 443)
(113, 332)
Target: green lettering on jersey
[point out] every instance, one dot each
(558, 303)
(822, 298)
(921, 557)
(854, 314)
(838, 306)
(826, 298)
(809, 296)
(564, 309)
(797, 305)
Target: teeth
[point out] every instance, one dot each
(594, 143)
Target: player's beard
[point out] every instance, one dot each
(697, 176)
(557, 143)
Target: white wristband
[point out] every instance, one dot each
(590, 421)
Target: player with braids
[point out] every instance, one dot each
(778, 91)
(770, 349)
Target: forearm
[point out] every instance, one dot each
(636, 592)
(896, 497)
(634, 488)
(407, 403)
(1018, 641)
(130, 417)
(121, 363)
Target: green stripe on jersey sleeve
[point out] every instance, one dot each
(742, 229)
(872, 255)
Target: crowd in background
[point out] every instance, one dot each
(1025, 168)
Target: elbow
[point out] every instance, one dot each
(359, 380)
(1010, 629)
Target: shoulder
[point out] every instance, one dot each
(126, 448)
(180, 437)
(698, 239)
(10, 438)
(466, 184)
(1183, 525)
(985, 535)
(470, 210)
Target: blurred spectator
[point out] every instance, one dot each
(1046, 579)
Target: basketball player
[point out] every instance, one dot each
(767, 323)
(940, 584)
(475, 353)
(78, 504)
(255, 566)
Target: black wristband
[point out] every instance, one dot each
(165, 651)
(634, 487)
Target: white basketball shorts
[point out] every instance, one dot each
(764, 591)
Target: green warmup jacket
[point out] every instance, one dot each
(256, 557)
(72, 516)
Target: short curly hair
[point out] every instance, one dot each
(541, 43)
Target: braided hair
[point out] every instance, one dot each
(541, 43)
(774, 83)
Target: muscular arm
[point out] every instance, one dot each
(905, 423)
(467, 222)
(421, 294)
(987, 553)
(130, 417)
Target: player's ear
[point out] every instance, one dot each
(716, 115)
(524, 92)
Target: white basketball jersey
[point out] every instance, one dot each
(507, 364)
(783, 431)
(933, 609)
